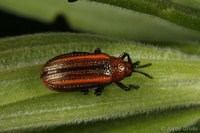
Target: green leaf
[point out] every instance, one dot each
(103, 19)
(27, 105)
(177, 11)
(189, 48)
(195, 4)
(195, 127)
(156, 121)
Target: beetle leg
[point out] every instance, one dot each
(98, 91)
(136, 63)
(134, 87)
(84, 92)
(97, 51)
(121, 85)
(123, 55)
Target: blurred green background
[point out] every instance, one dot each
(163, 32)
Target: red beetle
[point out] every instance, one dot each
(82, 71)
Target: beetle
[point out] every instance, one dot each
(83, 71)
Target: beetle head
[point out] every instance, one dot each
(136, 65)
(128, 69)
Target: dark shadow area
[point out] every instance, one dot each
(12, 25)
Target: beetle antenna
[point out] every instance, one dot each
(146, 65)
(145, 74)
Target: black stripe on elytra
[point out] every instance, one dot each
(79, 68)
(75, 69)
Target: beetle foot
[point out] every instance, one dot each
(127, 89)
(84, 92)
(134, 87)
(97, 93)
(97, 51)
(137, 63)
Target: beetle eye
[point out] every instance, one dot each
(120, 68)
